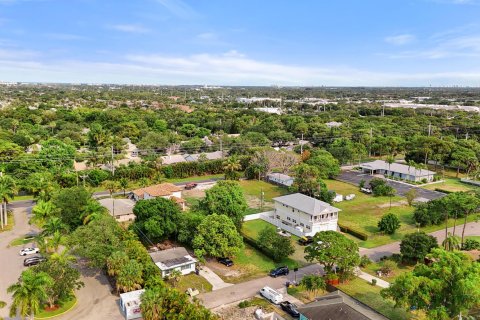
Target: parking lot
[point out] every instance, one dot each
(354, 177)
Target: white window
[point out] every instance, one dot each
(294, 221)
(187, 267)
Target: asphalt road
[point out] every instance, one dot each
(245, 290)
(354, 177)
(94, 301)
(11, 261)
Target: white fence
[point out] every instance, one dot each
(268, 217)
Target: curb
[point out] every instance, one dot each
(50, 317)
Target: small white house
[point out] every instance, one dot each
(303, 215)
(130, 304)
(174, 259)
(279, 178)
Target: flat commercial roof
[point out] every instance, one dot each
(396, 167)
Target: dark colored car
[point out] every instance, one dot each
(305, 241)
(33, 261)
(280, 271)
(225, 261)
(290, 308)
(190, 186)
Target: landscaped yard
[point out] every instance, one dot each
(364, 212)
(252, 190)
(399, 269)
(64, 308)
(370, 295)
(452, 185)
(193, 281)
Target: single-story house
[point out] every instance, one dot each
(396, 170)
(338, 306)
(333, 124)
(280, 178)
(130, 304)
(121, 209)
(163, 190)
(172, 159)
(208, 156)
(303, 215)
(174, 259)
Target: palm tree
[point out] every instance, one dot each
(151, 306)
(390, 160)
(123, 182)
(130, 276)
(29, 293)
(8, 190)
(451, 242)
(230, 167)
(93, 211)
(115, 262)
(54, 225)
(43, 210)
(174, 277)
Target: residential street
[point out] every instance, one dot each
(250, 288)
(11, 261)
(94, 300)
(472, 229)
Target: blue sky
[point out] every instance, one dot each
(243, 42)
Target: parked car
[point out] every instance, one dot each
(280, 271)
(305, 241)
(225, 261)
(290, 308)
(190, 186)
(28, 251)
(33, 261)
(271, 295)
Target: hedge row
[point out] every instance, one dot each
(443, 190)
(360, 235)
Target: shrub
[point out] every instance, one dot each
(374, 282)
(389, 223)
(365, 261)
(471, 244)
(387, 267)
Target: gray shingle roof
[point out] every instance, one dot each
(397, 167)
(306, 204)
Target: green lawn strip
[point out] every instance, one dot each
(25, 197)
(193, 281)
(63, 308)
(370, 295)
(451, 184)
(254, 188)
(252, 264)
(195, 178)
(192, 201)
(474, 238)
(252, 228)
(11, 223)
(399, 269)
(20, 241)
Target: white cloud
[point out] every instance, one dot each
(65, 36)
(130, 28)
(179, 8)
(400, 40)
(230, 68)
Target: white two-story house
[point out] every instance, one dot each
(304, 215)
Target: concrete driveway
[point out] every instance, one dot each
(354, 177)
(245, 290)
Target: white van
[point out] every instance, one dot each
(272, 295)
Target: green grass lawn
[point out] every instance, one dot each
(64, 308)
(251, 263)
(20, 241)
(474, 238)
(399, 269)
(254, 188)
(370, 295)
(195, 178)
(193, 281)
(451, 184)
(25, 197)
(364, 212)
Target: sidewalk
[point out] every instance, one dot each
(213, 278)
(368, 277)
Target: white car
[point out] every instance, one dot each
(28, 251)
